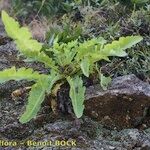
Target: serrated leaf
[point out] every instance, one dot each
(77, 92)
(20, 74)
(11, 26)
(54, 76)
(40, 57)
(64, 53)
(85, 66)
(21, 34)
(104, 81)
(26, 45)
(89, 47)
(37, 95)
(97, 56)
(116, 48)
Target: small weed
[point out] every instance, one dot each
(67, 63)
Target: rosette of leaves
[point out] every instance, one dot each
(67, 63)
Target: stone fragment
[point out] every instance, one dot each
(124, 105)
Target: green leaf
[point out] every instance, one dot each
(23, 39)
(11, 26)
(54, 76)
(104, 81)
(37, 95)
(116, 48)
(64, 53)
(40, 57)
(20, 74)
(85, 66)
(77, 91)
(97, 56)
(89, 47)
(22, 35)
(139, 1)
(28, 45)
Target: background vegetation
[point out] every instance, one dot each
(84, 19)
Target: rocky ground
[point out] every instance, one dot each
(116, 119)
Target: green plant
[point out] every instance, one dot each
(136, 63)
(22, 8)
(88, 2)
(65, 34)
(133, 3)
(42, 7)
(139, 1)
(67, 62)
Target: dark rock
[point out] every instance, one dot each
(10, 127)
(3, 37)
(10, 110)
(123, 105)
(2, 31)
(103, 138)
